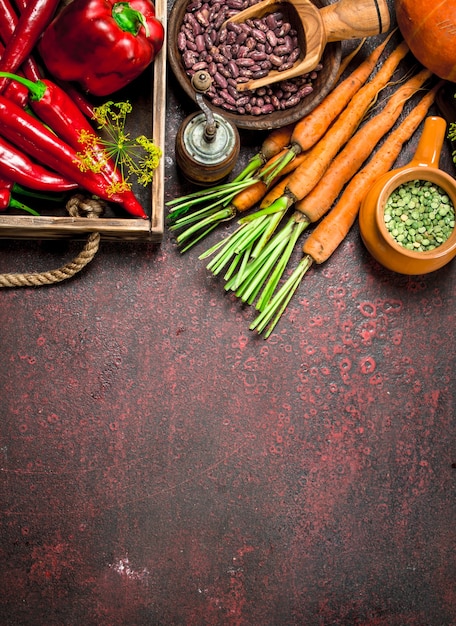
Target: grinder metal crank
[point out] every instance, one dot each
(207, 145)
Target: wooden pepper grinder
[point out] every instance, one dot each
(207, 145)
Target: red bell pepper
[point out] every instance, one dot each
(102, 45)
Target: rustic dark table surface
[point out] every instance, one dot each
(162, 465)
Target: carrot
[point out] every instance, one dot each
(248, 197)
(276, 192)
(307, 175)
(258, 192)
(333, 229)
(277, 139)
(357, 150)
(313, 126)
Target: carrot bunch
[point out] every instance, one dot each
(195, 215)
(334, 227)
(327, 186)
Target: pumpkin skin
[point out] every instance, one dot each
(429, 29)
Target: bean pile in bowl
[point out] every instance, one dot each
(241, 52)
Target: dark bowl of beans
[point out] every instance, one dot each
(239, 52)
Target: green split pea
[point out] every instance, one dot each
(419, 215)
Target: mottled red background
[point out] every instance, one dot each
(162, 465)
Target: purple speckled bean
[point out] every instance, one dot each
(194, 6)
(271, 38)
(245, 62)
(189, 58)
(258, 56)
(242, 36)
(243, 100)
(227, 97)
(294, 55)
(181, 41)
(221, 17)
(201, 65)
(233, 68)
(194, 24)
(258, 35)
(260, 74)
(220, 80)
(200, 43)
(275, 60)
(235, 4)
(202, 17)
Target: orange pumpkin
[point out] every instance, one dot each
(429, 29)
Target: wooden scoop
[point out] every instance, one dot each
(346, 19)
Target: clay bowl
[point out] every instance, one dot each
(321, 86)
(375, 235)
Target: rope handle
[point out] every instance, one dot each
(77, 206)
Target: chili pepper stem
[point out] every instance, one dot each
(36, 88)
(15, 204)
(272, 313)
(56, 197)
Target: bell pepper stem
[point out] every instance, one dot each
(128, 19)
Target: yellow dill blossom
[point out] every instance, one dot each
(138, 157)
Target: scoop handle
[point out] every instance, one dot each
(355, 19)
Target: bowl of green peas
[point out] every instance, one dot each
(407, 220)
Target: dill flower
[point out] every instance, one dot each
(136, 158)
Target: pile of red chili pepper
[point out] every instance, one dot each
(41, 119)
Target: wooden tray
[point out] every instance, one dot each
(148, 97)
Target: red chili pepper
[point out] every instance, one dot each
(15, 90)
(53, 106)
(102, 44)
(78, 98)
(30, 135)
(17, 167)
(8, 25)
(31, 24)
